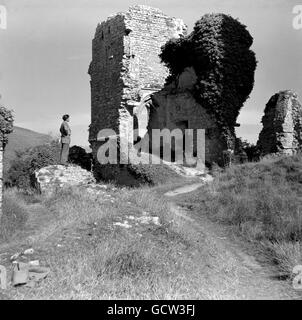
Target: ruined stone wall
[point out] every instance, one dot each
(126, 67)
(105, 71)
(282, 124)
(175, 107)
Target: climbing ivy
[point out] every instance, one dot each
(219, 50)
(6, 125)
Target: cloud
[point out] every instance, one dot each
(250, 116)
(249, 132)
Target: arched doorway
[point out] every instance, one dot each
(141, 118)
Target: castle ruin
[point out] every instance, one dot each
(128, 84)
(126, 68)
(282, 124)
(176, 107)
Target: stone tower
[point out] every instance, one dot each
(126, 67)
(282, 124)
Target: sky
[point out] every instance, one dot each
(46, 50)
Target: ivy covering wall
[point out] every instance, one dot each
(219, 50)
(6, 125)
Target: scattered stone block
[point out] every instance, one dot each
(50, 178)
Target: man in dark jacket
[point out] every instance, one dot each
(65, 139)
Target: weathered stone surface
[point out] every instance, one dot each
(282, 124)
(125, 64)
(53, 177)
(128, 90)
(126, 67)
(175, 107)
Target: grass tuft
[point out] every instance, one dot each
(263, 201)
(131, 264)
(14, 216)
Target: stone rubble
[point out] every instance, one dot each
(51, 178)
(144, 219)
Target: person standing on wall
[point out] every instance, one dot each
(65, 139)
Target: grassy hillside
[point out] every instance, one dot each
(22, 139)
(93, 254)
(138, 244)
(263, 202)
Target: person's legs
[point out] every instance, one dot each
(64, 153)
(61, 153)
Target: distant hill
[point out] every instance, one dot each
(21, 139)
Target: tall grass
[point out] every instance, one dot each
(111, 262)
(97, 259)
(14, 216)
(264, 202)
(147, 200)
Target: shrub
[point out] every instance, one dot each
(80, 157)
(152, 173)
(134, 175)
(21, 171)
(6, 125)
(219, 50)
(248, 150)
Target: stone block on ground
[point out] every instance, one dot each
(53, 177)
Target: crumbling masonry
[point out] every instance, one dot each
(125, 65)
(126, 68)
(128, 84)
(282, 124)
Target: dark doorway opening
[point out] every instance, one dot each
(182, 125)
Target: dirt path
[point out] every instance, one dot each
(184, 189)
(253, 279)
(227, 267)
